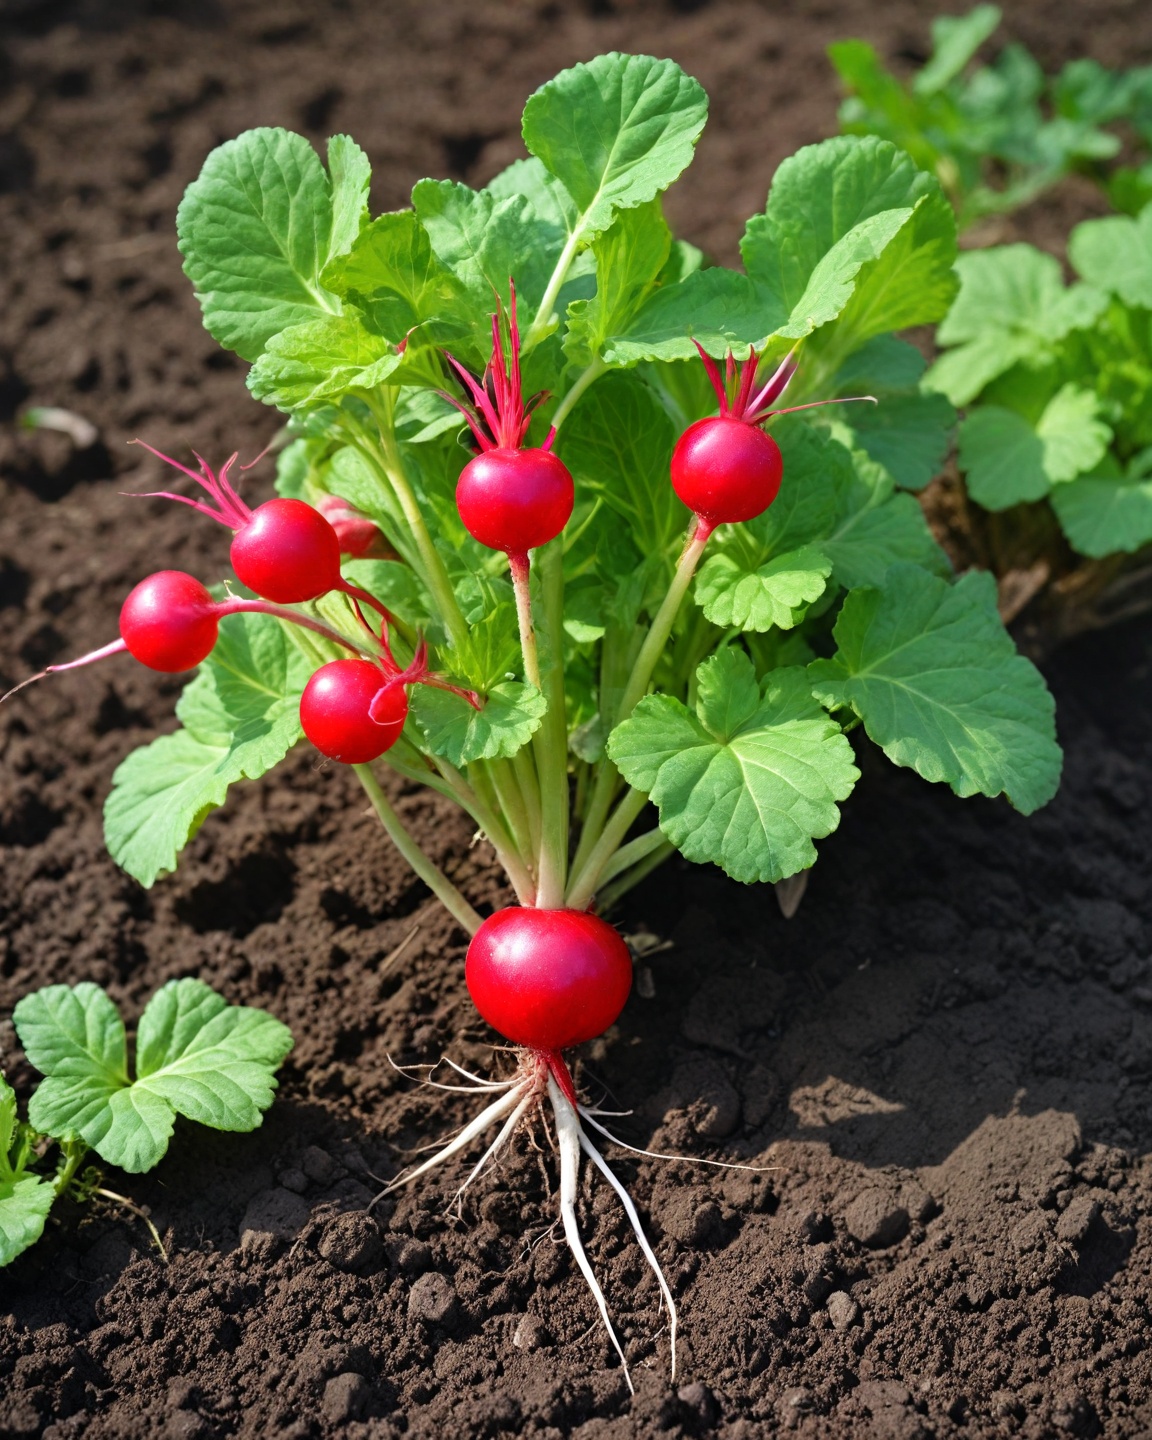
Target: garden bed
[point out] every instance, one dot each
(946, 1053)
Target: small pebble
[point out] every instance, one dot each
(700, 1400)
(876, 1219)
(843, 1311)
(352, 1242)
(1076, 1220)
(410, 1256)
(318, 1165)
(530, 1334)
(344, 1398)
(433, 1300)
(293, 1180)
(273, 1215)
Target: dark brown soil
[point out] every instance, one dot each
(947, 1052)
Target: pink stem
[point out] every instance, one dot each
(115, 648)
(237, 606)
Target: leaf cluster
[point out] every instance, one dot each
(997, 135)
(196, 1056)
(1057, 381)
(799, 625)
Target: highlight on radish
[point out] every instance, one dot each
(651, 634)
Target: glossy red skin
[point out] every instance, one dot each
(548, 978)
(334, 712)
(169, 622)
(726, 470)
(515, 500)
(287, 552)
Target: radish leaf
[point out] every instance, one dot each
(939, 685)
(750, 778)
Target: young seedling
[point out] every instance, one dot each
(627, 605)
(196, 1056)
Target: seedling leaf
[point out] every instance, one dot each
(317, 362)
(509, 717)
(198, 1057)
(1116, 254)
(25, 1200)
(775, 593)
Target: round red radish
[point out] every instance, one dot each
(335, 706)
(515, 500)
(287, 552)
(726, 470)
(169, 621)
(548, 978)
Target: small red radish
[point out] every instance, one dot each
(725, 468)
(548, 979)
(509, 498)
(352, 712)
(169, 622)
(359, 536)
(284, 550)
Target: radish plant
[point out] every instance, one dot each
(1056, 444)
(605, 611)
(196, 1056)
(998, 135)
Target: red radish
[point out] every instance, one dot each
(548, 979)
(284, 550)
(359, 536)
(352, 711)
(287, 552)
(169, 622)
(726, 470)
(514, 500)
(724, 467)
(509, 498)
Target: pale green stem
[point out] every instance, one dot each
(493, 827)
(586, 377)
(510, 801)
(522, 588)
(632, 853)
(637, 685)
(624, 882)
(525, 771)
(551, 740)
(431, 874)
(543, 318)
(586, 879)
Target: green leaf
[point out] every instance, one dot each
(552, 204)
(257, 228)
(1103, 514)
(318, 362)
(393, 276)
(853, 230)
(1116, 254)
(618, 445)
(509, 717)
(955, 39)
(615, 132)
(720, 308)
(1012, 307)
(749, 779)
(240, 717)
(937, 681)
(25, 1200)
(486, 239)
(909, 431)
(1007, 460)
(777, 592)
(198, 1056)
(629, 256)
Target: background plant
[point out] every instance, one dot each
(998, 135)
(1056, 379)
(196, 1056)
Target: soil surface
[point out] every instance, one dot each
(946, 1053)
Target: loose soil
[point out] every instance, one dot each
(946, 1053)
